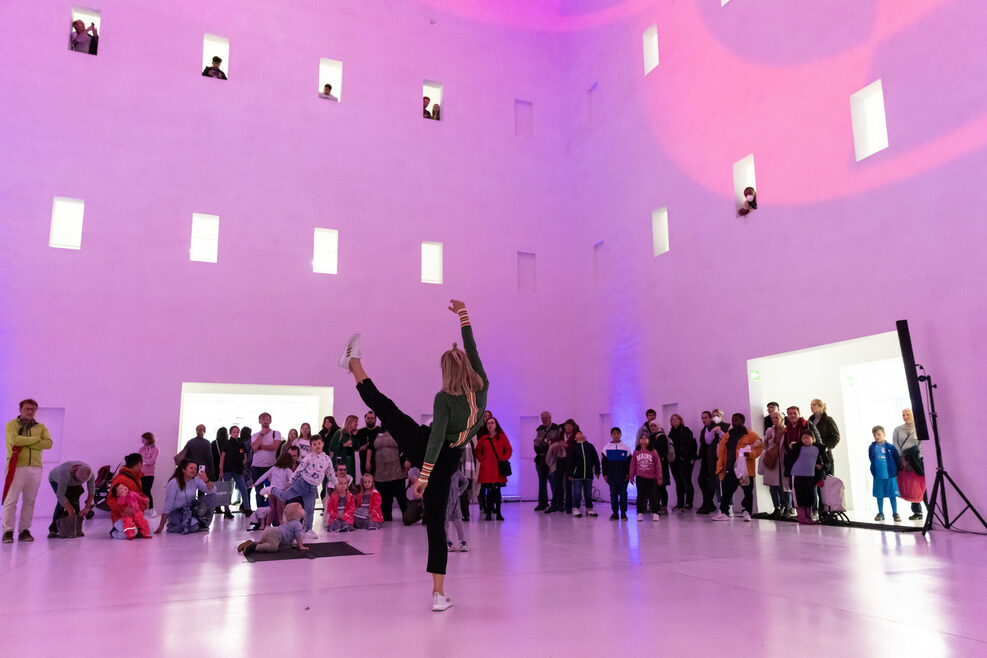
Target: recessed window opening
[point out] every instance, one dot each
(743, 177)
(526, 281)
(590, 102)
(330, 79)
(215, 56)
(522, 118)
(84, 36)
(205, 238)
(650, 49)
(870, 127)
(66, 223)
(432, 262)
(432, 100)
(325, 251)
(598, 255)
(659, 230)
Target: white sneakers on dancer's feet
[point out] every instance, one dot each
(440, 603)
(351, 351)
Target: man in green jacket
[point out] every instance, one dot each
(26, 438)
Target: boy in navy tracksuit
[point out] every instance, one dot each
(616, 471)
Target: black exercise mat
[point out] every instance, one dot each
(323, 549)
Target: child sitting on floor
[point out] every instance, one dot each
(282, 537)
(339, 508)
(279, 476)
(131, 523)
(884, 467)
(457, 486)
(367, 514)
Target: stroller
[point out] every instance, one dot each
(832, 502)
(104, 476)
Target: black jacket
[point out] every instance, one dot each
(829, 433)
(584, 462)
(659, 443)
(684, 443)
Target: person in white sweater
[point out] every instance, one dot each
(305, 483)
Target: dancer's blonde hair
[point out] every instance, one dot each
(458, 376)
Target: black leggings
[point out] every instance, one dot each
(412, 437)
(147, 482)
(490, 498)
(389, 492)
(647, 495)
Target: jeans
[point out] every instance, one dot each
(256, 472)
(558, 495)
(618, 496)
(301, 489)
(73, 494)
(543, 482)
(579, 489)
(241, 486)
(780, 497)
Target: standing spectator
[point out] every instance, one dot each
(84, 39)
(199, 450)
(469, 468)
(772, 408)
(425, 113)
(491, 449)
(390, 468)
(771, 467)
(666, 454)
(458, 486)
(25, 438)
(364, 438)
(232, 462)
(616, 473)
(67, 480)
(829, 433)
(555, 460)
(436, 114)
(650, 416)
(329, 427)
(884, 467)
(646, 472)
(545, 436)
(149, 455)
(910, 458)
(343, 444)
(327, 93)
(584, 465)
(214, 71)
(737, 444)
(218, 448)
(804, 464)
(684, 447)
(568, 435)
(265, 445)
(709, 437)
(795, 426)
(304, 440)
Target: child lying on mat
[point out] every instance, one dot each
(282, 537)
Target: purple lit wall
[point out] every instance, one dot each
(838, 249)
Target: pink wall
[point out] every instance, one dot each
(838, 250)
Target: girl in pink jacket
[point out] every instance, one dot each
(646, 470)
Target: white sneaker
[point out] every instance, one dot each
(311, 536)
(747, 516)
(463, 547)
(449, 547)
(655, 517)
(351, 351)
(440, 603)
(578, 514)
(719, 516)
(640, 517)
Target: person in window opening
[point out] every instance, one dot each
(214, 70)
(425, 113)
(436, 112)
(83, 39)
(327, 93)
(750, 201)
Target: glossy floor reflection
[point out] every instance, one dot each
(532, 585)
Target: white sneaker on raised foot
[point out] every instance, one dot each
(640, 517)
(747, 516)
(440, 603)
(719, 516)
(351, 351)
(311, 536)
(655, 517)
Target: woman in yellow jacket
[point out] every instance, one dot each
(737, 443)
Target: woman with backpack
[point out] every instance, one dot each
(492, 450)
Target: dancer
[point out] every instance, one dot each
(456, 417)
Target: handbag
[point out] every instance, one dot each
(503, 467)
(671, 450)
(911, 486)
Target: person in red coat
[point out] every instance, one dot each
(126, 510)
(367, 514)
(491, 448)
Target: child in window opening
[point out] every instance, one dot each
(214, 70)
(327, 93)
(84, 39)
(425, 113)
(750, 201)
(436, 112)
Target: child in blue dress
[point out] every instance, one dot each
(884, 468)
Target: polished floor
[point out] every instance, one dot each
(533, 585)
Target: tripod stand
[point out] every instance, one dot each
(938, 497)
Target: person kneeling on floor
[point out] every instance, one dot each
(67, 480)
(290, 533)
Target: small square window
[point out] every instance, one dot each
(598, 256)
(218, 47)
(432, 108)
(325, 252)
(870, 127)
(66, 223)
(205, 238)
(743, 177)
(432, 262)
(331, 73)
(650, 49)
(86, 39)
(526, 272)
(659, 230)
(522, 118)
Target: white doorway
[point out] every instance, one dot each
(862, 382)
